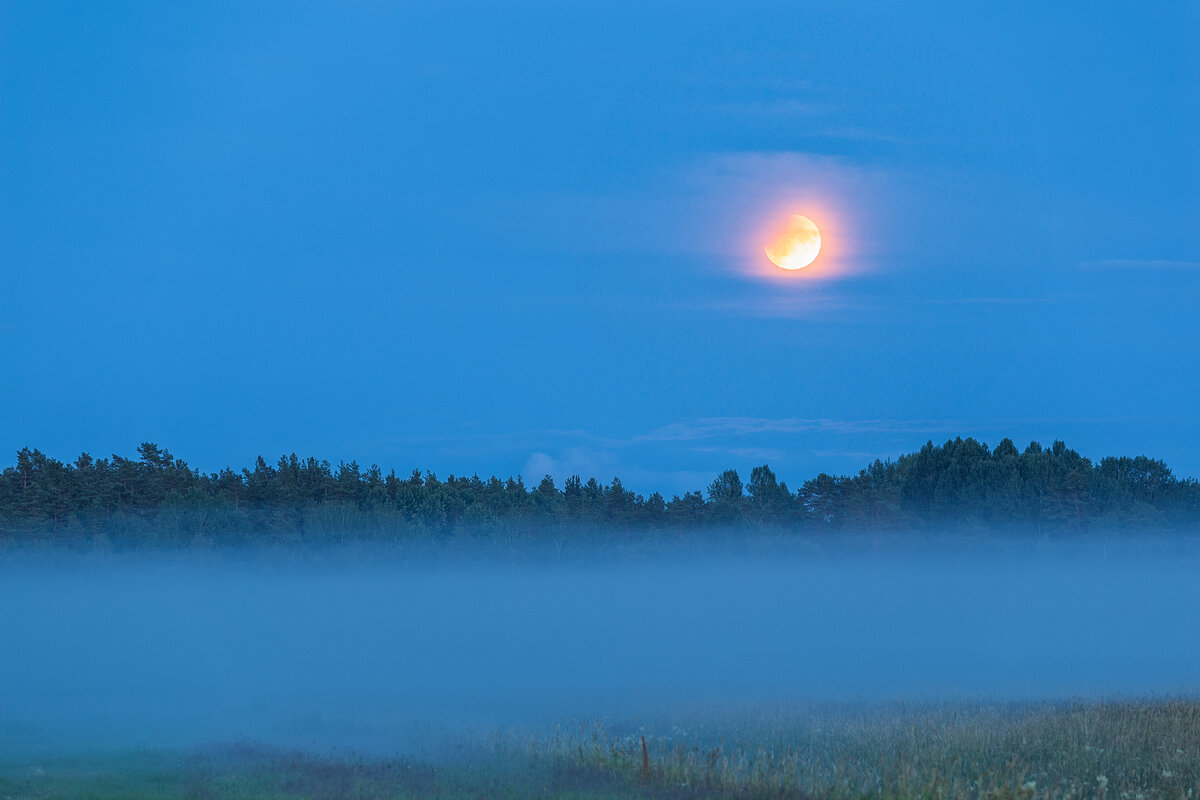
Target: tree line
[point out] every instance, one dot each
(158, 497)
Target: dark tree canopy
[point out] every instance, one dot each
(158, 497)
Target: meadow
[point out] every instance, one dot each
(936, 670)
(1119, 749)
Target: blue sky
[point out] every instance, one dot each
(525, 237)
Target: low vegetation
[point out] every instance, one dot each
(1119, 750)
(1108, 751)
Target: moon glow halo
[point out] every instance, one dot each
(796, 245)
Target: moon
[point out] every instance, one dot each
(796, 245)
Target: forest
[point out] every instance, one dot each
(157, 497)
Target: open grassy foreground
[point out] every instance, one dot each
(1109, 750)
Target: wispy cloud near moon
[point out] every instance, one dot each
(738, 197)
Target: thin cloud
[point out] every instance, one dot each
(865, 456)
(1140, 264)
(863, 135)
(565, 452)
(807, 306)
(733, 427)
(784, 107)
(707, 428)
(605, 465)
(711, 427)
(984, 301)
(762, 453)
(510, 437)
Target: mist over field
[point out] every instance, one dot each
(388, 653)
(599, 400)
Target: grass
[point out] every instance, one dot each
(1112, 750)
(1117, 750)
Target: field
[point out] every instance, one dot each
(1123, 750)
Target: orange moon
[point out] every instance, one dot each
(796, 245)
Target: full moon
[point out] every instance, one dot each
(796, 245)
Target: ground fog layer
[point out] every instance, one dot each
(386, 655)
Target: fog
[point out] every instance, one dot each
(386, 653)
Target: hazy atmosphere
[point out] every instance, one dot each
(593, 400)
(389, 655)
